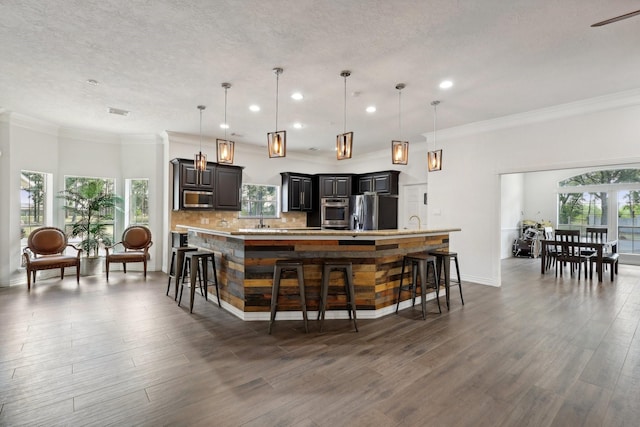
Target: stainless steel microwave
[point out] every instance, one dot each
(197, 199)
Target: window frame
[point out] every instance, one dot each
(275, 200)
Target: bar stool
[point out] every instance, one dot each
(420, 263)
(196, 262)
(346, 268)
(282, 266)
(444, 256)
(175, 268)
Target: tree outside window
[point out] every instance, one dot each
(260, 201)
(137, 201)
(33, 198)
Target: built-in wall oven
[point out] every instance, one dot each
(334, 212)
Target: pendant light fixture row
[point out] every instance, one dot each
(224, 147)
(277, 140)
(434, 158)
(200, 160)
(344, 141)
(399, 148)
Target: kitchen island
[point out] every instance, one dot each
(245, 259)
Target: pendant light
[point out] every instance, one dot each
(277, 141)
(344, 141)
(434, 158)
(400, 149)
(224, 147)
(200, 160)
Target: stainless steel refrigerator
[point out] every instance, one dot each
(372, 211)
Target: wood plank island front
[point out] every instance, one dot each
(245, 260)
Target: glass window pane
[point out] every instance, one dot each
(33, 198)
(260, 201)
(629, 221)
(137, 201)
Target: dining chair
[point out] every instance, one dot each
(567, 252)
(610, 257)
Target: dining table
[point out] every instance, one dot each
(597, 247)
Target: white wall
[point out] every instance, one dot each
(467, 192)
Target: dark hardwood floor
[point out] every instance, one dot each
(538, 351)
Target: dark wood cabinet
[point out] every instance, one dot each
(385, 182)
(335, 185)
(217, 187)
(228, 182)
(189, 176)
(297, 192)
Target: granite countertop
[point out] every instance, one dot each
(313, 231)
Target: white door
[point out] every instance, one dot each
(414, 202)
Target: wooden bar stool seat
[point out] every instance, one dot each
(346, 268)
(196, 263)
(281, 267)
(420, 263)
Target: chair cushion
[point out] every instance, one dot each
(47, 241)
(53, 261)
(136, 237)
(129, 256)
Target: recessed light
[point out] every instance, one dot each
(92, 82)
(297, 125)
(446, 84)
(118, 111)
(254, 108)
(224, 126)
(371, 109)
(297, 96)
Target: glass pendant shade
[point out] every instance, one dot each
(434, 160)
(200, 162)
(224, 147)
(225, 151)
(277, 143)
(344, 142)
(400, 152)
(400, 149)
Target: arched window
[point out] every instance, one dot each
(603, 198)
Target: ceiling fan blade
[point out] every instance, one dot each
(616, 19)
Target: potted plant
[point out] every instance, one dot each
(88, 205)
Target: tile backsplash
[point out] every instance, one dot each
(230, 220)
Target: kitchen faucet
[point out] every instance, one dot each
(418, 218)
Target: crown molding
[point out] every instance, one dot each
(30, 123)
(586, 106)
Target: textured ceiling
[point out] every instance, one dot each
(160, 59)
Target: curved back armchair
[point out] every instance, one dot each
(45, 251)
(136, 241)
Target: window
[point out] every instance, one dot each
(35, 202)
(90, 206)
(32, 201)
(605, 198)
(137, 202)
(260, 201)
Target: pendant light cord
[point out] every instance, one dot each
(201, 128)
(400, 113)
(277, 87)
(345, 105)
(435, 118)
(226, 125)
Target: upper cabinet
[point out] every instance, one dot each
(228, 181)
(385, 182)
(297, 192)
(217, 187)
(188, 176)
(335, 185)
